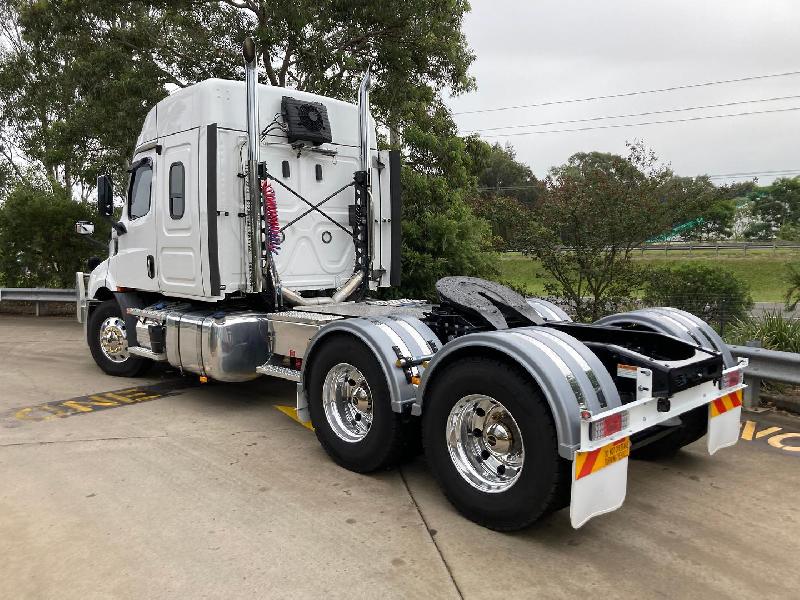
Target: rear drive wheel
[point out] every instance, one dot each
(491, 444)
(107, 337)
(349, 403)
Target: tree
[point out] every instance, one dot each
(793, 293)
(441, 235)
(72, 97)
(499, 173)
(774, 206)
(599, 207)
(37, 235)
(712, 293)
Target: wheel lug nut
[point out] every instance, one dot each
(358, 417)
(501, 469)
(485, 454)
(477, 432)
(480, 412)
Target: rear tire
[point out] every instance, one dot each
(346, 390)
(515, 481)
(107, 337)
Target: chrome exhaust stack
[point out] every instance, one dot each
(363, 122)
(251, 74)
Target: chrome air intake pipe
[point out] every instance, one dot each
(254, 210)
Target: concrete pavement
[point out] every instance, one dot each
(213, 493)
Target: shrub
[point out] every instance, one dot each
(712, 293)
(772, 329)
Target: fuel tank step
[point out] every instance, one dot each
(280, 372)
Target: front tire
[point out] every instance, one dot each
(350, 408)
(107, 337)
(490, 441)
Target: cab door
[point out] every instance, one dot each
(178, 216)
(134, 264)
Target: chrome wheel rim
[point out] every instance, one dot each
(485, 443)
(114, 339)
(347, 401)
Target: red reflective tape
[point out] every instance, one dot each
(591, 458)
(720, 406)
(736, 399)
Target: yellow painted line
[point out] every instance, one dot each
(748, 429)
(776, 441)
(47, 411)
(291, 412)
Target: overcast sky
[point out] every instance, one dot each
(541, 50)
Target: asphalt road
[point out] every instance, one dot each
(211, 492)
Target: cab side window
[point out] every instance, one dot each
(177, 197)
(139, 190)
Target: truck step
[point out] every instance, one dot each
(147, 353)
(280, 372)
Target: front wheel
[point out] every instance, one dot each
(490, 441)
(107, 337)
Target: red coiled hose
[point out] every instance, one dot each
(271, 216)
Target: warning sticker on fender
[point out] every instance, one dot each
(587, 463)
(627, 371)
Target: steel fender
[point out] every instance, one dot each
(569, 374)
(99, 278)
(678, 323)
(547, 310)
(128, 300)
(381, 335)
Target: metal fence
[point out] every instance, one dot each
(766, 365)
(37, 295)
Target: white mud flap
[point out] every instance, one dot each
(724, 416)
(599, 481)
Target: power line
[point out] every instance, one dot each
(627, 94)
(722, 175)
(640, 114)
(620, 125)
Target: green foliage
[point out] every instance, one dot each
(441, 235)
(772, 329)
(775, 206)
(499, 173)
(793, 293)
(712, 293)
(789, 232)
(599, 207)
(508, 219)
(37, 235)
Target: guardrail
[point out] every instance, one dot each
(37, 295)
(770, 365)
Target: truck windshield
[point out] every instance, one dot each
(139, 191)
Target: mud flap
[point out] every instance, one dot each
(599, 481)
(724, 415)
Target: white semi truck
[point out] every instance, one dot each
(258, 222)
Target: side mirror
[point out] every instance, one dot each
(105, 196)
(84, 228)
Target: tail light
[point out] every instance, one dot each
(608, 426)
(730, 379)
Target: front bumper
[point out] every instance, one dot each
(600, 466)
